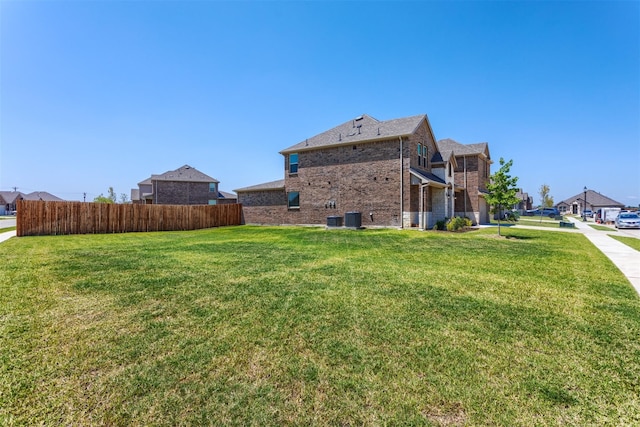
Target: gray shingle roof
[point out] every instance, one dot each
(428, 176)
(225, 195)
(458, 149)
(358, 130)
(272, 185)
(594, 199)
(42, 195)
(185, 173)
(10, 197)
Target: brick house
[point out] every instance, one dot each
(183, 186)
(594, 201)
(472, 172)
(392, 172)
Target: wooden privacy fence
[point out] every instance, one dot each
(38, 218)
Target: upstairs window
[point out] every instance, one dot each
(419, 154)
(212, 187)
(293, 163)
(293, 200)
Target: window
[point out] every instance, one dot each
(212, 187)
(213, 202)
(293, 163)
(293, 200)
(419, 154)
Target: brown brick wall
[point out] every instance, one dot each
(361, 177)
(182, 193)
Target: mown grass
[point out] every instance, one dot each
(304, 326)
(629, 241)
(5, 229)
(538, 223)
(602, 227)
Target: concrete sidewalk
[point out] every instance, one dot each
(7, 235)
(624, 257)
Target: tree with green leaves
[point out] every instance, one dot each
(111, 198)
(546, 201)
(502, 189)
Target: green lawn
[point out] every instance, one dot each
(5, 229)
(305, 326)
(629, 241)
(537, 223)
(602, 227)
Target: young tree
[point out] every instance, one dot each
(111, 198)
(502, 189)
(546, 201)
(124, 198)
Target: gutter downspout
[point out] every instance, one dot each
(401, 185)
(466, 190)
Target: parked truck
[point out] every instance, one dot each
(607, 215)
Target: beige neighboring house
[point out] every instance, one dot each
(594, 201)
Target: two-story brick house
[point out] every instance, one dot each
(472, 172)
(183, 186)
(390, 171)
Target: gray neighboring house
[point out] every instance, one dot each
(9, 199)
(183, 186)
(594, 201)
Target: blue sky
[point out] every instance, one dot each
(96, 94)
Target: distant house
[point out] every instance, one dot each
(525, 202)
(391, 172)
(594, 201)
(9, 199)
(183, 186)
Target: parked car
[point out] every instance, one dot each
(550, 212)
(627, 220)
(588, 213)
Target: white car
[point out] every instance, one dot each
(627, 220)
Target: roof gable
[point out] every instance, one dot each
(480, 148)
(361, 129)
(594, 199)
(42, 195)
(185, 173)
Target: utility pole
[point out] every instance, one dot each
(15, 189)
(84, 196)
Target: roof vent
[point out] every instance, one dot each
(378, 131)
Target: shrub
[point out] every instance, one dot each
(456, 224)
(440, 225)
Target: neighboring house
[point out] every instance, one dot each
(183, 186)
(391, 172)
(472, 172)
(42, 195)
(525, 203)
(9, 199)
(594, 201)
